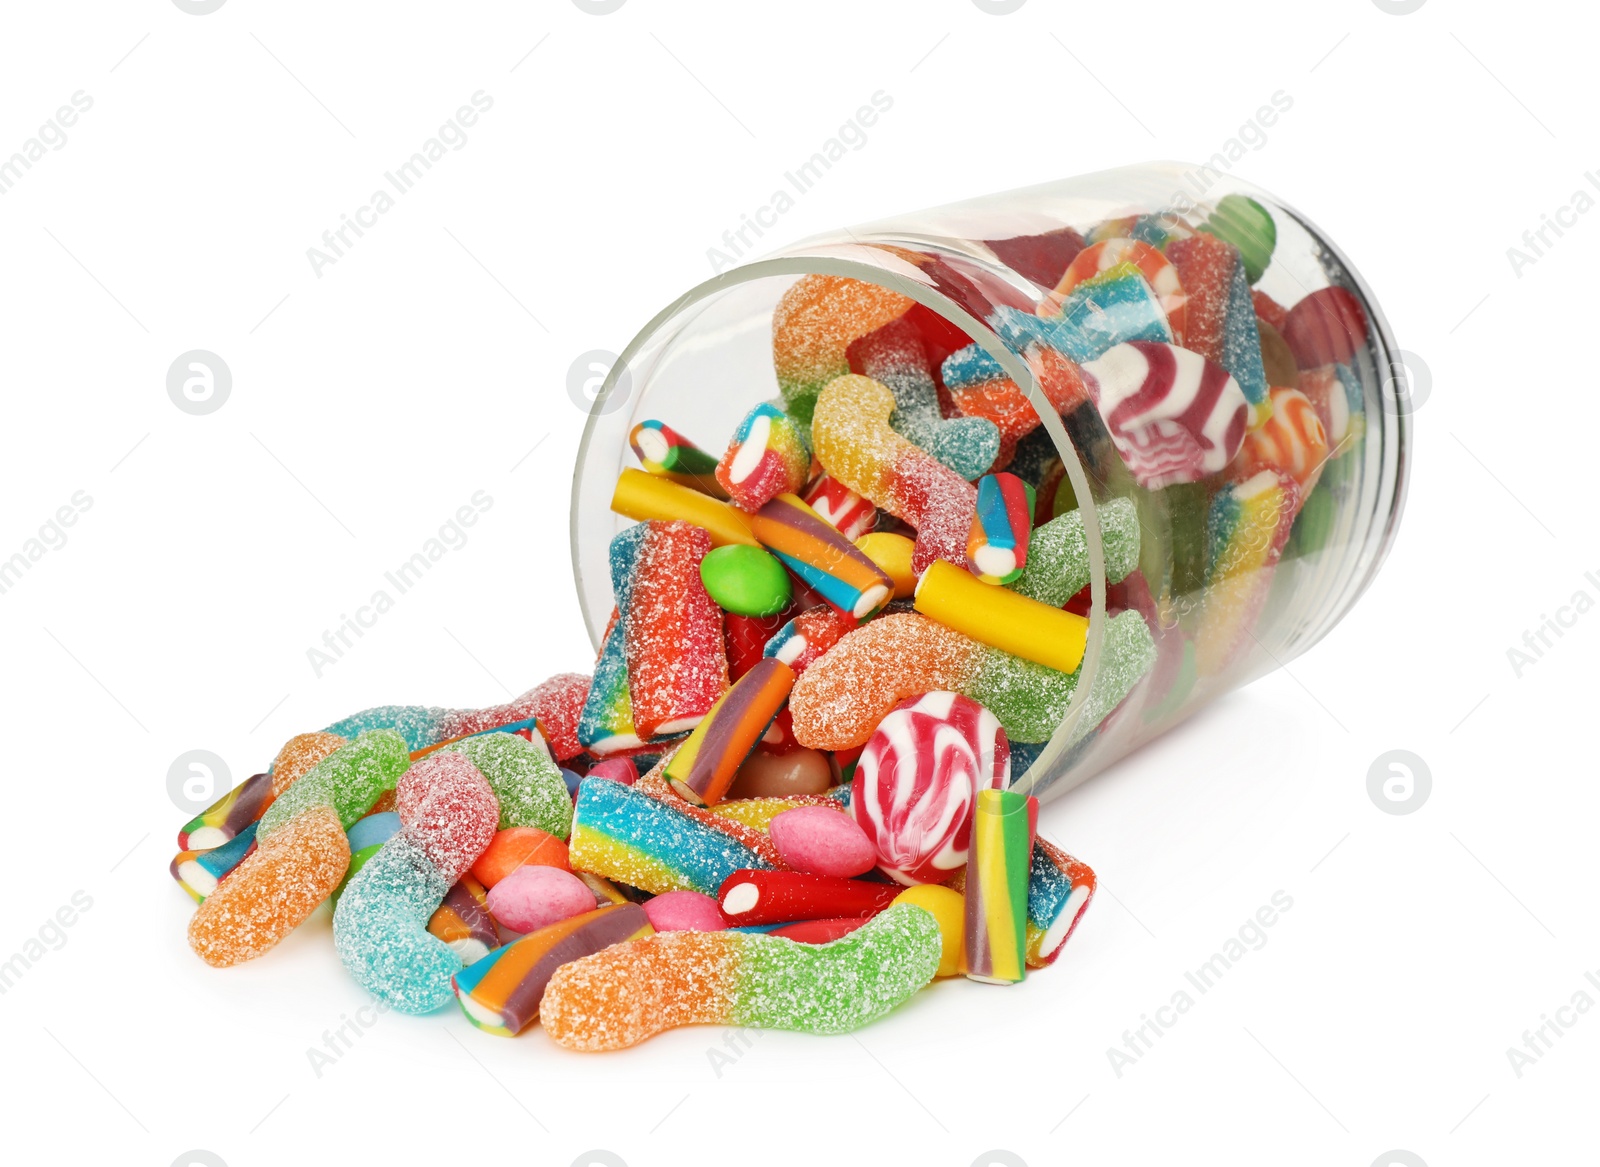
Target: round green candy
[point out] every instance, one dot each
(746, 580)
(1247, 225)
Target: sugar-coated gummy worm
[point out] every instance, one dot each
(855, 444)
(283, 880)
(839, 700)
(630, 992)
(448, 814)
(1058, 553)
(812, 327)
(273, 891)
(896, 357)
(524, 779)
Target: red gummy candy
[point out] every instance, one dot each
(1325, 328)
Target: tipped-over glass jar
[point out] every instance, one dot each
(1155, 398)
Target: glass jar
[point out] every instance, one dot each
(1250, 548)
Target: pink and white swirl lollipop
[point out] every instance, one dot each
(917, 781)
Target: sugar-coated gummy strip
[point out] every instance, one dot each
(1058, 553)
(644, 497)
(705, 765)
(448, 814)
(995, 937)
(629, 836)
(501, 992)
(782, 897)
(856, 445)
(672, 629)
(629, 992)
(1001, 618)
(606, 724)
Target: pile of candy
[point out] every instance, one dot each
(786, 797)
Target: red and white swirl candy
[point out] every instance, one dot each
(1173, 415)
(917, 782)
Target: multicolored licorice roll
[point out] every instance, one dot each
(770, 455)
(1059, 890)
(817, 552)
(199, 872)
(463, 921)
(663, 451)
(997, 549)
(707, 763)
(629, 992)
(997, 888)
(228, 816)
(500, 993)
(626, 835)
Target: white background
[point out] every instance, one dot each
(372, 401)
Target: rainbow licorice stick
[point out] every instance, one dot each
(501, 992)
(997, 888)
(663, 451)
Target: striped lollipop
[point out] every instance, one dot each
(1173, 415)
(915, 784)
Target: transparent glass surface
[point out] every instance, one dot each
(1236, 574)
